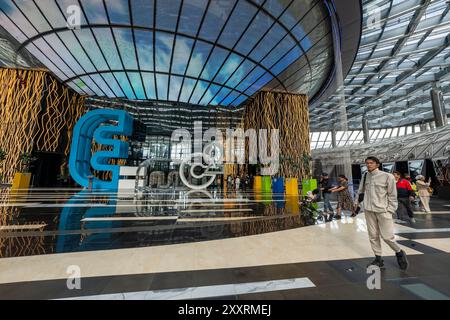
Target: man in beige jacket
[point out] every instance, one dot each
(380, 203)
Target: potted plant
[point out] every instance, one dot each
(308, 184)
(26, 159)
(22, 179)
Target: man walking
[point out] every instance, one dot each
(380, 203)
(325, 186)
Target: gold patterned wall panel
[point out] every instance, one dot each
(34, 112)
(289, 114)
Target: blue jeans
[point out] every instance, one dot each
(326, 202)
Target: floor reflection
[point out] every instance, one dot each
(56, 221)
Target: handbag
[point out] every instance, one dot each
(430, 190)
(361, 195)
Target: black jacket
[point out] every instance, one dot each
(326, 184)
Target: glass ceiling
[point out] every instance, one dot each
(404, 51)
(207, 52)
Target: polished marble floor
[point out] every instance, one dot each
(180, 245)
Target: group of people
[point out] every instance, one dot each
(238, 183)
(407, 191)
(382, 194)
(344, 197)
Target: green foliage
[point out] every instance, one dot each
(26, 159)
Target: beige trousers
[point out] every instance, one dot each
(425, 202)
(381, 226)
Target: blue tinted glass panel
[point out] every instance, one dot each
(167, 14)
(175, 87)
(79, 86)
(299, 32)
(32, 13)
(124, 38)
(259, 84)
(288, 59)
(212, 91)
(20, 20)
(222, 94)
(239, 20)
(191, 16)
(271, 39)
(296, 12)
(240, 73)
(136, 81)
(183, 47)
(278, 52)
(162, 82)
(51, 54)
(228, 68)
(198, 92)
(144, 44)
(88, 81)
(217, 14)
(106, 41)
(118, 11)
(59, 47)
(276, 7)
(73, 45)
(164, 43)
(76, 88)
(239, 100)
(11, 28)
(88, 42)
(109, 78)
(306, 44)
(38, 54)
(52, 12)
(149, 84)
(201, 51)
(64, 4)
(95, 11)
(188, 86)
(231, 97)
(218, 56)
(125, 84)
(250, 78)
(142, 11)
(102, 84)
(255, 32)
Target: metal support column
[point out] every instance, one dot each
(438, 105)
(365, 127)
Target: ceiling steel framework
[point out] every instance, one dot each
(398, 62)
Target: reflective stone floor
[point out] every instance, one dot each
(57, 221)
(264, 247)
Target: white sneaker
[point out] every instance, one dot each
(413, 220)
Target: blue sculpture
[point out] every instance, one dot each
(94, 126)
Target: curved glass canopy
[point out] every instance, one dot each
(206, 52)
